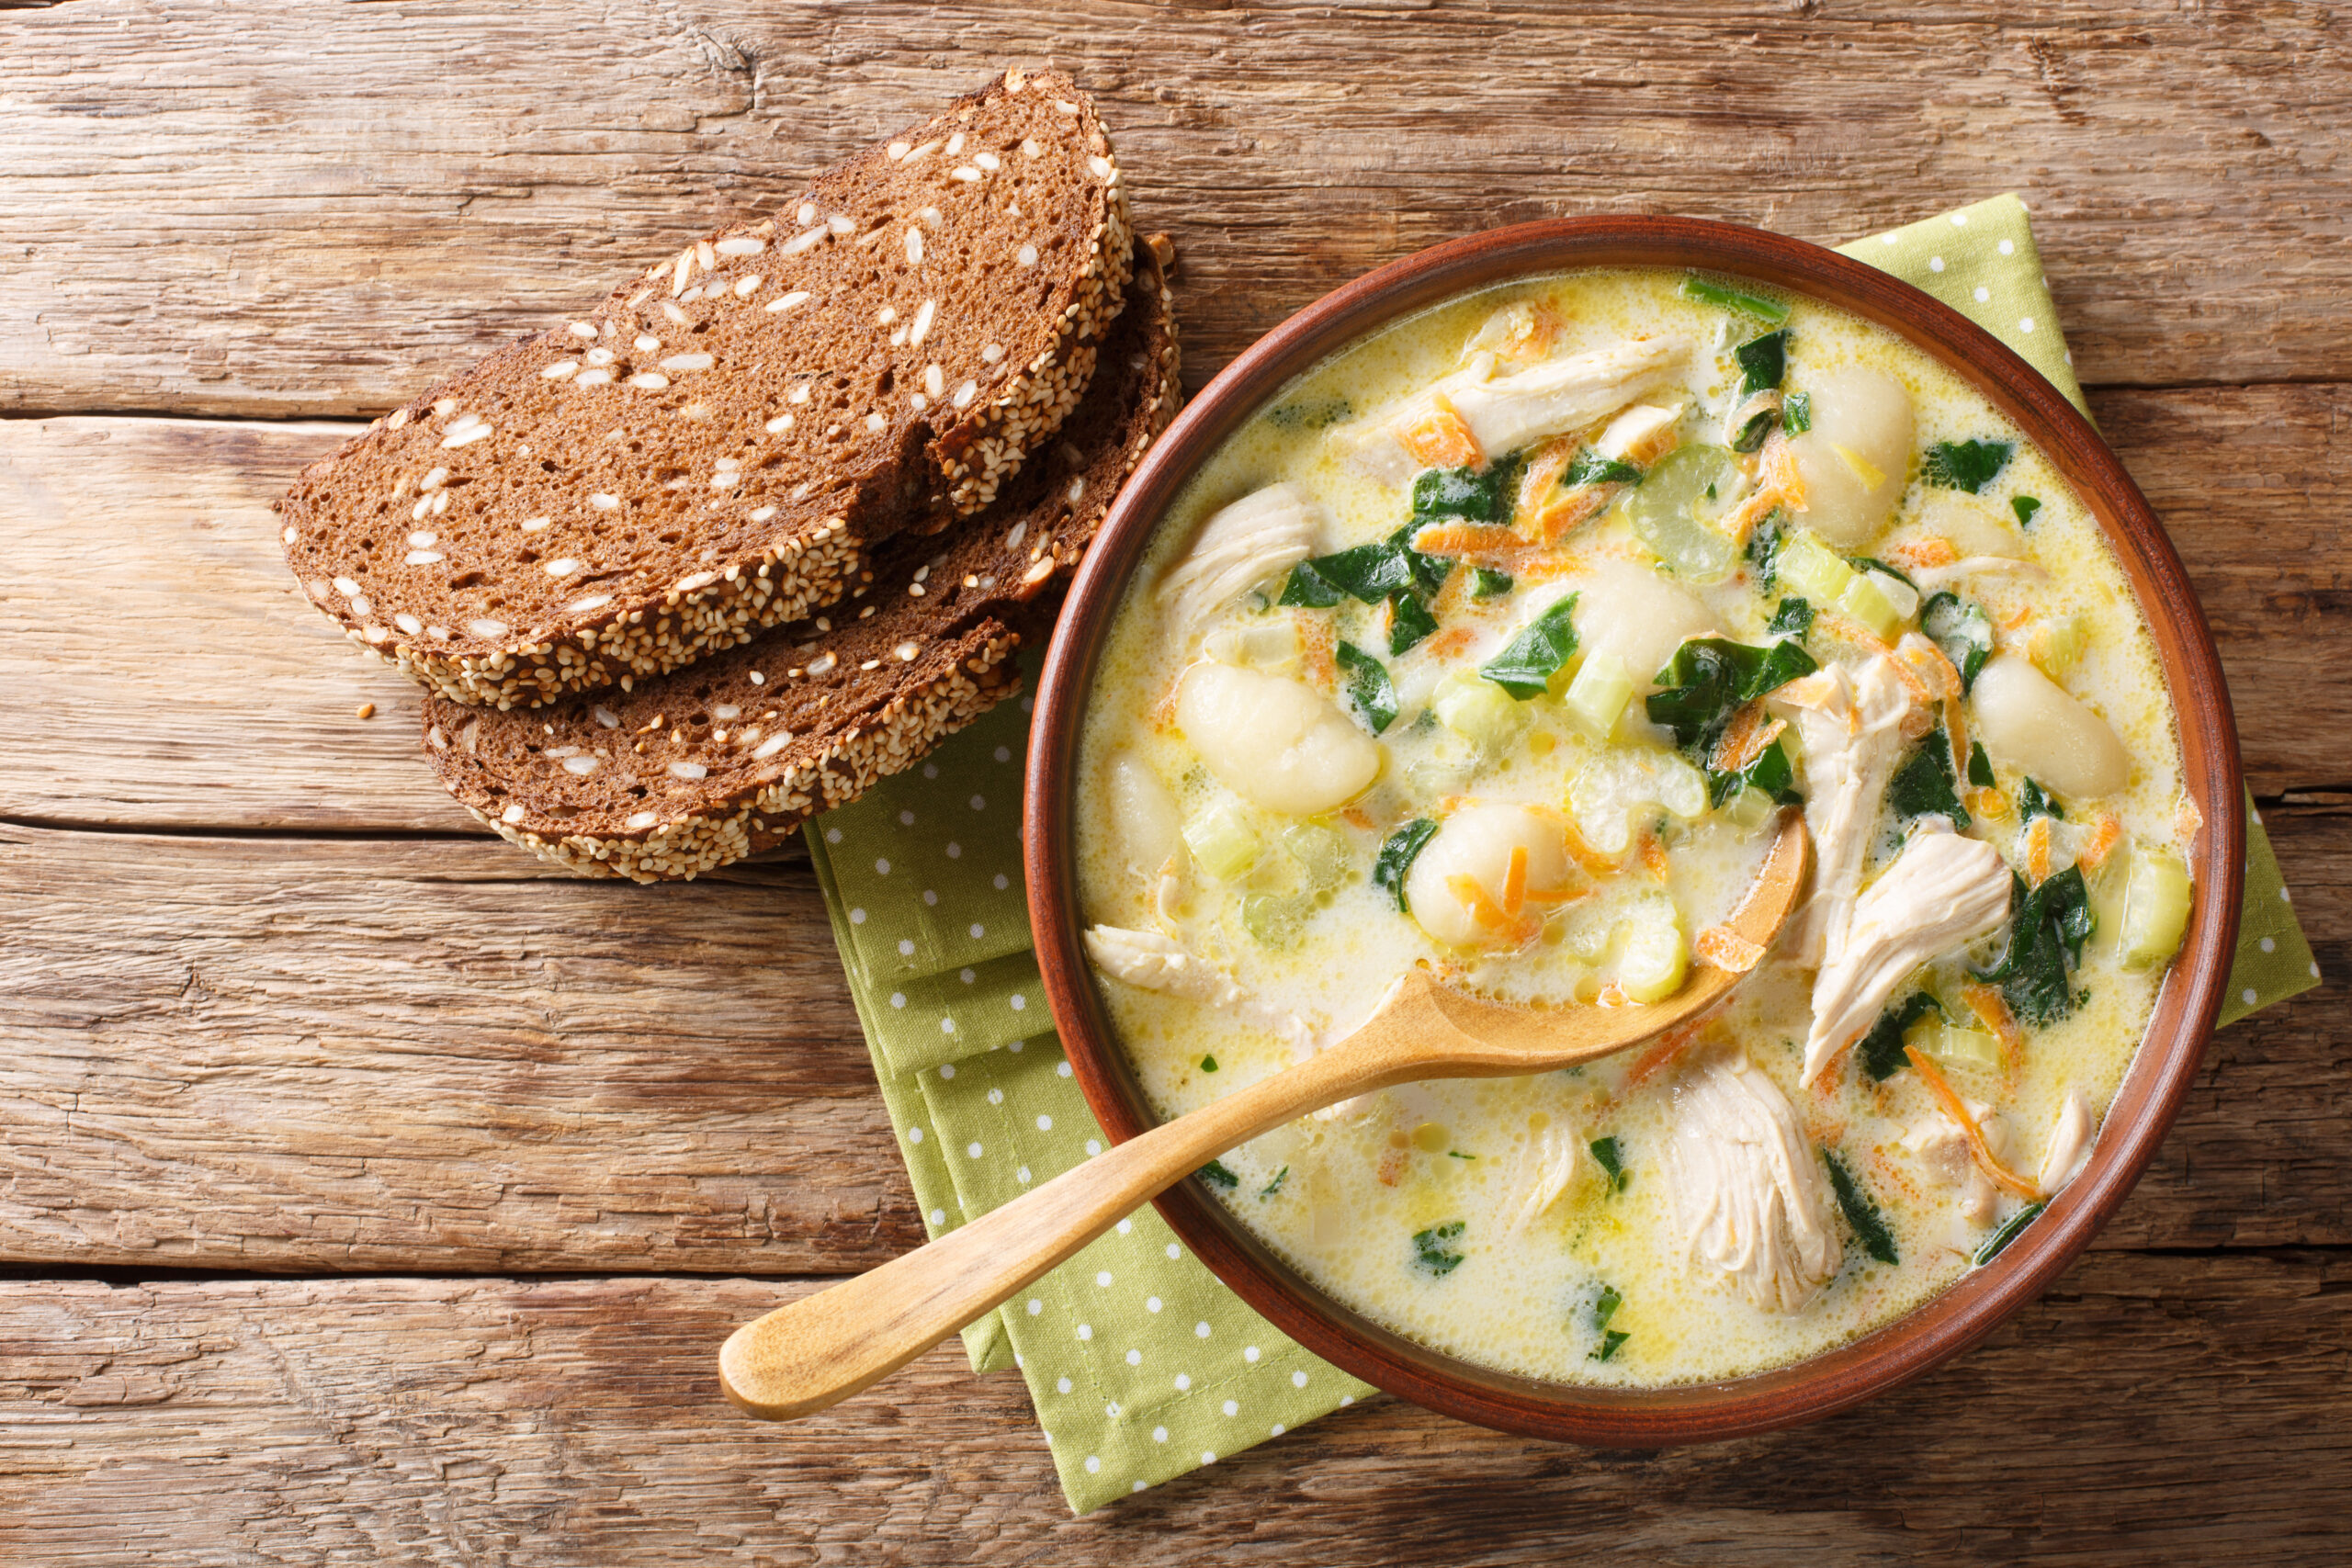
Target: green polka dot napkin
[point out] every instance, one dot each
(1142, 1365)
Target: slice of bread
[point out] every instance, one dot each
(692, 770)
(718, 446)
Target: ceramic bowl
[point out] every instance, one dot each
(2151, 1091)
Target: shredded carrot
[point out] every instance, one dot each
(1654, 854)
(1670, 1045)
(1928, 661)
(1567, 510)
(1315, 651)
(2037, 851)
(1483, 908)
(1613, 995)
(1726, 950)
(1358, 817)
(1515, 881)
(1992, 1009)
(1955, 1108)
(1989, 803)
(2015, 619)
(1439, 439)
(1450, 641)
(1913, 682)
(1392, 1167)
(2104, 838)
(1845, 628)
(1541, 477)
(1930, 551)
(1745, 738)
(1481, 544)
(1580, 850)
(1778, 486)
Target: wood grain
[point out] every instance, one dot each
(322, 210)
(2147, 1409)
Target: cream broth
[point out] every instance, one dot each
(1313, 760)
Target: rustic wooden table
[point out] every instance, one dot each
(373, 1193)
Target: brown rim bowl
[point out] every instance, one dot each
(2152, 1089)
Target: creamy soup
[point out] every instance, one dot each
(1497, 645)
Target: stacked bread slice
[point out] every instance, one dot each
(771, 520)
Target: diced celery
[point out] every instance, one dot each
(1479, 711)
(1811, 570)
(1867, 603)
(2056, 645)
(1653, 962)
(1321, 852)
(1222, 843)
(1673, 509)
(1749, 810)
(1954, 1047)
(1599, 693)
(1272, 919)
(2155, 908)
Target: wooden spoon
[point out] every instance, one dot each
(800, 1359)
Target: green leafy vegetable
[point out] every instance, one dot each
(1215, 1175)
(1962, 630)
(2008, 1232)
(1882, 1049)
(1457, 1153)
(2047, 929)
(1965, 465)
(1316, 415)
(1309, 587)
(1527, 663)
(1409, 622)
(1433, 1253)
(1270, 1187)
(1706, 291)
(1750, 435)
(1592, 469)
(1797, 413)
(1870, 1227)
(1872, 563)
(1710, 679)
(1764, 549)
(1368, 686)
(1475, 495)
(1208, 1064)
(1793, 618)
(1367, 572)
(1611, 1160)
(1771, 772)
(1924, 785)
(1980, 766)
(1762, 362)
(1486, 582)
(1396, 857)
(2025, 506)
(2034, 801)
(1604, 1307)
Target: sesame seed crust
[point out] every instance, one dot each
(721, 446)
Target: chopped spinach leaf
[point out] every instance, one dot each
(1433, 1253)
(1367, 572)
(1592, 469)
(2010, 1230)
(1396, 857)
(1882, 1049)
(1771, 772)
(1604, 1307)
(2047, 929)
(1486, 582)
(1409, 622)
(1609, 1340)
(1793, 618)
(1270, 1187)
(1368, 686)
(1475, 495)
(1750, 435)
(1764, 549)
(1872, 563)
(1762, 362)
(1208, 1064)
(1962, 630)
(1309, 587)
(1924, 785)
(2034, 801)
(1215, 1175)
(1980, 766)
(2025, 506)
(1611, 1160)
(1869, 1227)
(1527, 663)
(1429, 573)
(1316, 415)
(1965, 465)
(1710, 679)
(1706, 291)
(1797, 413)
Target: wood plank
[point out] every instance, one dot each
(169, 675)
(2147, 1409)
(322, 210)
(335, 1055)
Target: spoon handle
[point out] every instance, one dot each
(821, 1349)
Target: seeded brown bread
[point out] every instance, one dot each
(716, 448)
(692, 770)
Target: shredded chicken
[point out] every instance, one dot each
(1935, 579)
(1747, 1190)
(1156, 963)
(1940, 1146)
(2070, 1144)
(1554, 1157)
(1641, 435)
(1850, 726)
(1506, 412)
(1264, 533)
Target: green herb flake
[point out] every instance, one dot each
(1607, 1154)
(1793, 618)
(1409, 622)
(1307, 588)
(1925, 786)
(1396, 857)
(1869, 1227)
(1457, 1153)
(1527, 663)
(1320, 414)
(1609, 1340)
(1965, 465)
(2047, 929)
(1208, 1064)
(1962, 630)
(1980, 766)
(2009, 1231)
(1215, 1175)
(1762, 362)
(1882, 1049)
(1368, 686)
(1706, 291)
(1604, 1307)
(1797, 413)
(1433, 1252)
(2025, 506)
(2034, 801)
(1270, 1187)
(1591, 468)
(1486, 582)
